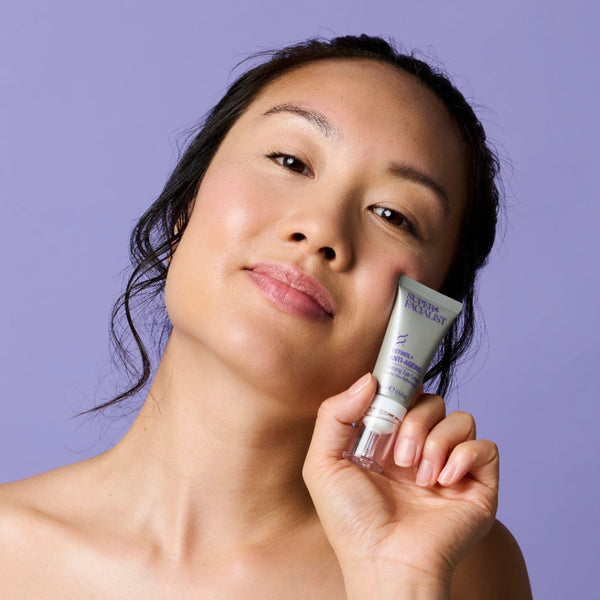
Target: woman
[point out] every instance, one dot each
(321, 177)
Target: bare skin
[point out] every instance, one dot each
(224, 487)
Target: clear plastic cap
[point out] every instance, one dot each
(373, 437)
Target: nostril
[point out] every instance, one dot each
(328, 252)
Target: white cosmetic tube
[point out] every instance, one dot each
(419, 320)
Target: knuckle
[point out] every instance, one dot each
(325, 408)
(429, 407)
(436, 445)
(467, 420)
(436, 402)
(461, 414)
(415, 426)
(472, 452)
(414, 421)
(440, 406)
(491, 447)
(484, 450)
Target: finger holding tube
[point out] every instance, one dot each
(426, 413)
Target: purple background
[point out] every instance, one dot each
(93, 97)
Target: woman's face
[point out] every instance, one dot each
(341, 176)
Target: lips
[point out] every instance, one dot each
(292, 291)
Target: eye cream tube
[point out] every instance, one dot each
(420, 318)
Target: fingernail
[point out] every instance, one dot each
(359, 385)
(405, 452)
(447, 474)
(424, 473)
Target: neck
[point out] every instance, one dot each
(211, 453)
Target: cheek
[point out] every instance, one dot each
(375, 291)
(221, 208)
(432, 273)
(183, 289)
(225, 225)
(231, 208)
(431, 264)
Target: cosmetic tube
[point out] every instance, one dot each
(419, 320)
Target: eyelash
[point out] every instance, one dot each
(287, 158)
(393, 216)
(387, 214)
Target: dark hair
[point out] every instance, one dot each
(159, 230)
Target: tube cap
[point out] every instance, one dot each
(374, 436)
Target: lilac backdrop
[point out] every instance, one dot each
(93, 97)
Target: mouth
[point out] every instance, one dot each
(292, 291)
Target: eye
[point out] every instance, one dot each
(395, 218)
(291, 163)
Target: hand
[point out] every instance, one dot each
(435, 499)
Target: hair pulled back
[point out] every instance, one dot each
(160, 229)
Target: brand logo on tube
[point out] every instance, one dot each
(401, 339)
(424, 308)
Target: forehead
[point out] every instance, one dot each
(364, 85)
(375, 75)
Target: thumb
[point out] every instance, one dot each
(334, 422)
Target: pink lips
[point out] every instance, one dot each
(292, 291)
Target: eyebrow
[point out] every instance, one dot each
(411, 174)
(312, 116)
(400, 170)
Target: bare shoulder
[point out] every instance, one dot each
(35, 530)
(39, 496)
(494, 569)
(24, 505)
(23, 531)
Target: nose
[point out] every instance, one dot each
(318, 231)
